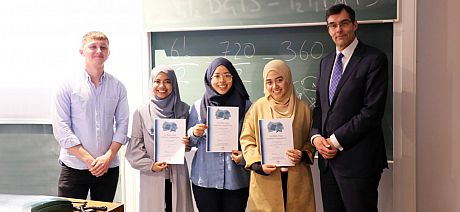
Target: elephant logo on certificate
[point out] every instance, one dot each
(275, 139)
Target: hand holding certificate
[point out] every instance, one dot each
(222, 134)
(275, 140)
(168, 140)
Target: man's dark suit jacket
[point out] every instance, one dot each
(355, 114)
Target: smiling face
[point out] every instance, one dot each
(276, 85)
(342, 29)
(95, 52)
(221, 80)
(162, 86)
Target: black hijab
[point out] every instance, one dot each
(235, 97)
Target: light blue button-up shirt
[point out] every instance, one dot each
(214, 169)
(91, 116)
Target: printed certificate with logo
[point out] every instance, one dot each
(222, 132)
(275, 139)
(168, 140)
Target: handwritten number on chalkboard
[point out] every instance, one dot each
(288, 47)
(297, 6)
(174, 51)
(303, 52)
(238, 45)
(249, 46)
(320, 48)
(227, 43)
(249, 49)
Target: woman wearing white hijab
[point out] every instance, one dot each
(163, 187)
(271, 189)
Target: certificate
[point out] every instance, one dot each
(168, 145)
(275, 139)
(222, 132)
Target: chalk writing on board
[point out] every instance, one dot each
(303, 51)
(189, 8)
(181, 71)
(246, 49)
(245, 56)
(306, 88)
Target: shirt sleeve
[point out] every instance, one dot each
(62, 125)
(136, 154)
(335, 142)
(121, 117)
(248, 141)
(313, 138)
(193, 120)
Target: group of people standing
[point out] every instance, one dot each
(344, 127)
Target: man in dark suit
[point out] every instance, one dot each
(347, 132)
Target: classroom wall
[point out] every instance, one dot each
(438, 100)
(425, 174)
(39, 46)
(404, 104)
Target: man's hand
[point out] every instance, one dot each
(325, 147)
(101, 165)
(199, 129)
(236, 156)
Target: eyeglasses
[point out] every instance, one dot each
(342, 24)
(226, 77)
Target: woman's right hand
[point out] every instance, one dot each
(159, 166)
(268, 168)
(199, 129)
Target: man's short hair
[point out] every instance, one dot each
(93, 35)
(336, 9)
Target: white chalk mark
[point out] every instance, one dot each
(237, 64)
(184, 64)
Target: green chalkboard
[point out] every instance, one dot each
(249, 50)
(182, 15)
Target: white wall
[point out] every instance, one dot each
(39, 45)
(40, 39)
(39, 42)
(404, 129)
(438, 101)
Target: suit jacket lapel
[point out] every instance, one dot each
(327, 78)
(354, 60)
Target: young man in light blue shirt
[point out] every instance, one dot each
(90, 122)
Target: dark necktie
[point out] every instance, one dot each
(336, 75)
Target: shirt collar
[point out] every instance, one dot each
(348, 51)
(88, 78)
